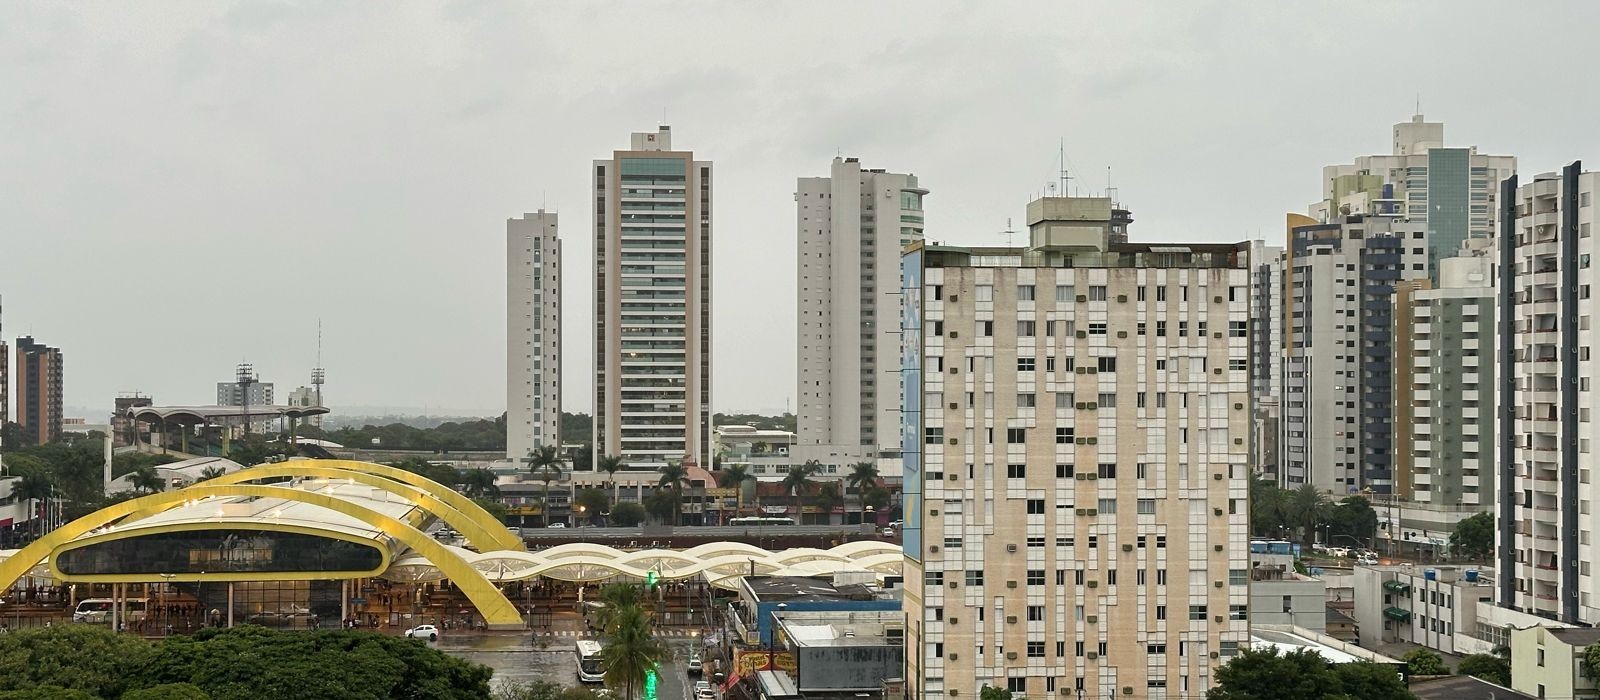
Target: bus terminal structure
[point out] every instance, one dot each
(322, 535)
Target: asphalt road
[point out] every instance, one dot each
(515, 658)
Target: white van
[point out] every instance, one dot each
(98, 610)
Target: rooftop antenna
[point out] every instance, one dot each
(1009, 231)
(318, 375)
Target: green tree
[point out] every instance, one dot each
(47, 692)
(632, 652)
(1353, 518)
(661, 506)
(1266, 674)
(797, 482)
(675, 476)
(210, 473)
(877, 497)
(615, 598)
(479, 483)
(246, 663)
(1591, 661)
(611, 464)
(1425, 662)
(169, 691)
(593, 502)
(544, 463)
(735, 476)
(627, 514)
(433, 471)
(34, 487)
(129, 461)
(76, 657)
(495, 508)
(1487, 667)
(1309, 506)
(581, 458)
(147, 480)
(862, 476)
(990, 692)
(828, 498)
(1269, 508)
(1474, 537)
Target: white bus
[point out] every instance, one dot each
(589, 668)
(759, 521)
(98, 610)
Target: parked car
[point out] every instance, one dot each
(1339, 551)
(1319, 548)
(515, 530)
(556, 525)
(888, 532)
(695, 665)
(897, 524)
(428, 632)
(703, 691)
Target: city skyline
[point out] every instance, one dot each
(392, 201)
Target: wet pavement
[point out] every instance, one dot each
(517, 657)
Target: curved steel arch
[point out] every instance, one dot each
(502, 537)
(497, 611)
(483, 535)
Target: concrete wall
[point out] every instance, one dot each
(1307, 603)
(840, 668)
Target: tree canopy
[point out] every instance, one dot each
(1425, 662)
(81, 662)
(1474, 537)
(1266, 674)
(1487, 667)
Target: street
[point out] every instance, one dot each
(515, 657)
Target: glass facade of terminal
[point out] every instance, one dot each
(218, 551)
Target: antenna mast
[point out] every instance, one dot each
(317, 373)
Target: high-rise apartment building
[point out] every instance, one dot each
(1452, 190)
(5, 374)
(652, 233)
(1339, 339)
(1075, 447)
(851, 227)
(233, 394)
(1266, 357)
(1546, 397)
(41, 373)
(1444, 384)
(533, 333)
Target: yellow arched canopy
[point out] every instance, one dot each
(487, 535)
(497, 611)
(503, 538)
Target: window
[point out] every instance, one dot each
(1236, 329)
(1017, 685)
(933, 578)
(1154, 649)
(1025, 329)
(1161, 293)
(1161, 577)
(1161, 329)
(1036, 506)
(1036, 577)
(1105, 364)
(1141, 327)
(1161, 541)
(1016, 471)
(1024, 292)
(1035, 650)
(1077, 577)
(1197, 612)
(985, 292)
(1161, 612)
(1238, 612)
(1025, 400)
(1035, 613)
(1097, 292)
(1025, 364)
(1064, 436)
(1288, 603)
(1064, 293)
(1108, 471)
(986, 329)
(1064, 471)
(1016, 436)
(1096, 328)
(934, 436)
(1064, 398)
(1147, 506)
(975, 577)
(1106, 506)
(1238, 365)
(1049, 364)
(1107, 400)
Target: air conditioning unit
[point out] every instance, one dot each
(1011, 549)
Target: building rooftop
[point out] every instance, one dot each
(1289, 638)
(1462, 688)
(1576, 636)
(1484, 576)
(806, 588)
(844, 629)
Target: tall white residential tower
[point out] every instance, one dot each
(850, 229)
(652, 235)
(533, 333)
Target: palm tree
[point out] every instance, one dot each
(675, 477)
(797, 481)
(210, 473)
(34, 486)
(734, 477)
(632, 653)
(146, 480)
(828, 498)
(479, 483)
(544, 462)
(1308, 506)
(862, 476)
(613, 599)
(611, 464)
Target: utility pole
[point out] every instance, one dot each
(245, 377)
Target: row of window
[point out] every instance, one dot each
(1067, 293)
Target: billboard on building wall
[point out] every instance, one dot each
(911, 407)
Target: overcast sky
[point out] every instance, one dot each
(193, 185)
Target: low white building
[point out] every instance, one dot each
(1279, 596)
(1445, 608)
